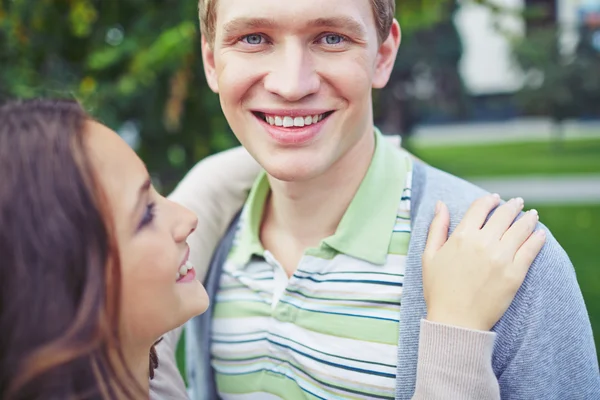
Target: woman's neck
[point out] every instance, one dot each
(137, 360)
(140, 371)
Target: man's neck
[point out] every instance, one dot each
(299, 215)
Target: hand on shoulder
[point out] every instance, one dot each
(471, 278)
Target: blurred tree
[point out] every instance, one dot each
(588, 57)
(425, 79)
(540, 14)
(558, 85)
(136, 65)
(426, 82)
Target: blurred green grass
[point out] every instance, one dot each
(527, 158)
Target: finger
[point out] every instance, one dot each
(438, 231)
(527, 253)
(519, 232)
(503, 218)
(476, 214)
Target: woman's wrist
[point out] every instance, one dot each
(457, 320)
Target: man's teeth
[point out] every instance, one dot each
(296, 121)
(183, 270)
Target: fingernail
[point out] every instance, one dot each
(534, 212)
(496, 195)
(541, 233)
(438, 207)
(520, 201)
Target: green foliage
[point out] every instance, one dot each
(132, 63)
(557, 84)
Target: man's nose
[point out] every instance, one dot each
(293, 75)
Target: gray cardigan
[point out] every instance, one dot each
(544, 346)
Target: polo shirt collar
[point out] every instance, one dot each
(366, 228)
(367, 225)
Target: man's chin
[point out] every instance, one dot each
(290, 175)
(291, 169)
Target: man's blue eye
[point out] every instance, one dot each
(333, 39)
(253, 39)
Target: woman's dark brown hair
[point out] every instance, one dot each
(59, 271)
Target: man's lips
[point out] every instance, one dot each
(293, 129)
(292, 119)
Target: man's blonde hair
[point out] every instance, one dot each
(383, 11)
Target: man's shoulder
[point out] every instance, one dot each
(551, 273)
(431, 184)
(458, 194)
(549, 300)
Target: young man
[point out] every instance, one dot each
(321, 294)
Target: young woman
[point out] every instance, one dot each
(95, 263)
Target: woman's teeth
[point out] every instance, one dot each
(183, 270)
(289, 121)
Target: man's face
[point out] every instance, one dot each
(295, 79)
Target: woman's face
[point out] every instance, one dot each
(151, 233)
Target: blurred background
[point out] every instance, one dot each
(505, 93)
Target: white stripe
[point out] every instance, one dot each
(342, 262)
(393, 314)
(384, 275)
(254, 324)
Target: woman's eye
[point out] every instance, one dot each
(333, 39)
(253, 39)
(148, 215)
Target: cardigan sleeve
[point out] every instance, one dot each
(455, 363)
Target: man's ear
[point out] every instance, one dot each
(386, 56)
(208, 60)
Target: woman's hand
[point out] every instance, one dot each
(471, 278)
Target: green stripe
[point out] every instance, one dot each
(263, 381)
(284, 387)
(241, 309)
(314, 377)
(351, 327)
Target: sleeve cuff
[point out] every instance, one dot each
(455, 363)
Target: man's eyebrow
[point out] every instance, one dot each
(342, 22)
(245, 23)
(140, 194)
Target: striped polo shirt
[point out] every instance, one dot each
(331, 329)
